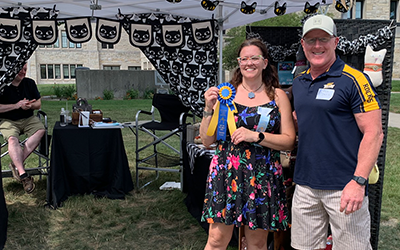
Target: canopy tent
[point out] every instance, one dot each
(190, 78)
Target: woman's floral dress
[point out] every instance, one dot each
(245, 181)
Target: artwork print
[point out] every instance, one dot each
(45, 32)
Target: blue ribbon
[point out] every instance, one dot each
(226, 95)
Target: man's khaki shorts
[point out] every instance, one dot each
(27, 126)
(313, 210)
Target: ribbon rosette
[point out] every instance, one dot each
(223, 117)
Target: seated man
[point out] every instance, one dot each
(17, 102)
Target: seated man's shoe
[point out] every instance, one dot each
(28, 184)
(14, 171)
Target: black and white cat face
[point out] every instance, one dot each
(200, 84)
(172, 35)
(185, 56)
(44, 32)
(177, 67)
(5, 50)
(192, 70)
(164, 67)
(208, 71)
(202, 32)
(141, 36)
(8, 31)
(108, 32)
(191, 44)
(174, 79)
(79, 31)
(200, 57)
(171, 55)
(185, 82)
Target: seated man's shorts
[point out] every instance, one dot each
(27, 126)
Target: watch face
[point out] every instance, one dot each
(360, 180)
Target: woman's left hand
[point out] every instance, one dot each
(243, 134)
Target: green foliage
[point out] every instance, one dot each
(65, 92)
(395, 85)
(131, 94)
(108, 94)
(148, 94)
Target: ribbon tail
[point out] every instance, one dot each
(214, 122)
(231, 122)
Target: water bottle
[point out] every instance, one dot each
(329, 243)
(63, 118)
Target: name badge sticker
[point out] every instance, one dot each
(325, 94)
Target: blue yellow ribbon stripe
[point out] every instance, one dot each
(223, 117)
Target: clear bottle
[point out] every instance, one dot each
(63, 118)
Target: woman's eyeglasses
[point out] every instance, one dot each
(254, 59)
(312, 41)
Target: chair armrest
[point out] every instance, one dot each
(151, 112)
(184, 115)
(40, 114)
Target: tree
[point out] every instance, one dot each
(235, 36)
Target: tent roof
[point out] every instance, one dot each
(228, 11)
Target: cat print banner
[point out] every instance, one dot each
(10, 30)
(78, 30)
(184, 53)
(108, 31)
(45, 31)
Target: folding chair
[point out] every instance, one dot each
(173, 123)
(42, 151)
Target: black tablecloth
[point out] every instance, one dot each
(3, 215)
(87, 161)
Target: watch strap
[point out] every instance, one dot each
(360, 180)
(260, 137)
(207, 114)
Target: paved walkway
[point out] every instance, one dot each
(394, 120)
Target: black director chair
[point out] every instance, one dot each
(173, 123)
(42, 151)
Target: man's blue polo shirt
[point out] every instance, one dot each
(329, 137)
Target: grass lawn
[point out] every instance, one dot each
(146, 219)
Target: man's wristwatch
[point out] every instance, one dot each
(260, 137)
(360, 180)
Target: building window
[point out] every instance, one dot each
(133, 67)
(111, 67)
(359, 9)
(107, 46)
(393, 9)
(57, 71)
(66, 71)
(50, 71)
(64, 39)
(53, 71)
(43, 74)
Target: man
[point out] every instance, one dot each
(340, 135)
(17, 103)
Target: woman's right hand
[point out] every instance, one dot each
(211, 97)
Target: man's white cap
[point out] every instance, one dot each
(320, 22)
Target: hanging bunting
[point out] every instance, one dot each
(223, 117)
(248, 9)
(79, 30)
(202, 32)
(108, 31)
(10, 30)
(209, 5)
(45, 32)
(172, 35)
(279, 10)
(141, 35)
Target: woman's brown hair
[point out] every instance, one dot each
(269, 74)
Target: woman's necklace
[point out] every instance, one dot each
(251, 94)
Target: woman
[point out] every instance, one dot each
(245, 182)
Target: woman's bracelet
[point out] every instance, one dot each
(207, 114)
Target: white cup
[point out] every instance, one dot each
(84, 118)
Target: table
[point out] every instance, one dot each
(87, 161)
